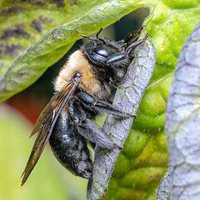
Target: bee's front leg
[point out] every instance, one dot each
(136, 43)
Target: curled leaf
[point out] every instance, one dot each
(127, 98)
(183, 122)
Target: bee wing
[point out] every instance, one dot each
(45, 124)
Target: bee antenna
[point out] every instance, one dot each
(97, 36)
(98, 33)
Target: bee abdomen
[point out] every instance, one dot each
(70, 149)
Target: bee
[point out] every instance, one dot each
(82, 90)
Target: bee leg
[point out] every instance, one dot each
(87, 128)
(90, 131)
(111, 109)
(133, 36)
(91, 102)
(77, 114)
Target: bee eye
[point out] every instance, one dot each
(102, 52)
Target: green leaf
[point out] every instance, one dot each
(144, 158)
(84, 17)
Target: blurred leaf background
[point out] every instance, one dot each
(49, 181)
(29, 24)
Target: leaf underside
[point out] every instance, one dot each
(182, 122)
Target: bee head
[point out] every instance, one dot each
(110, 59)
(98, 51)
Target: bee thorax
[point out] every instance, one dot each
(77, 62)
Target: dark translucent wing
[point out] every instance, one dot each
(45, 124)
(42, 127)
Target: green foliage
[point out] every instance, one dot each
(144, 158)
(84, 17)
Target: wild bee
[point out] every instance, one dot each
(82, 90)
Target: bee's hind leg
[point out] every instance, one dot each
(87, 128)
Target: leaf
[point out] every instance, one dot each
(183, 122)
(81, 18)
